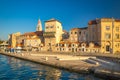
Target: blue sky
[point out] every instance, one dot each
(22, 15)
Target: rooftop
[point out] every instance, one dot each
(103, 19)
(74, 29)
(38, 33)
(50, 20)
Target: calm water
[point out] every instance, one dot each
(16, 69)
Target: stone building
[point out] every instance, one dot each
(78, 47)
(32, 40)
(106, 33)
(53, 34)
(101, 35)
(12, 39)
(65, 35)
(77, 42)
(78, 34)
(28, 39)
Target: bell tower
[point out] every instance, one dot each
(39, 26)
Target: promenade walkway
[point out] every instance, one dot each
(76, 63)
(68, 62)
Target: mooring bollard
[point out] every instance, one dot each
(46, 58)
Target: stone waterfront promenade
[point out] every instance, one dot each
(68, 62)
(102, 66)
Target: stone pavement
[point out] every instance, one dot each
(80, 64)
(68, 62)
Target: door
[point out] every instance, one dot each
(72, 49)
(82, 49)
(107, 48)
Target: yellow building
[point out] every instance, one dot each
(79, 47)
(105, 32)
(12, 39)
(77, 42)
(33, 43)
(32, 39)
(101, 35)
(53, 34)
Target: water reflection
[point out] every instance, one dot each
(53, 74)
(12, 69)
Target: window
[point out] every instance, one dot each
(83, 49)
(49, 44)
(57, 45)
(63, 45)
(107, 27)
(117, 36)
(107, 36)
(79, 49)
(51, 27)
(46, 27)
(117, 29)
(73, 44)
(80, 33)
(71, 32)
(83, 45)
(75, 32)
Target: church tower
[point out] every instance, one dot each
(39, 26)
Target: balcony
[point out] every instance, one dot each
(49, 34)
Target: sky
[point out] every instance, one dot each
(22, 15)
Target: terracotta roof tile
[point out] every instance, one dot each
(32, 38)
(74, 29)
(117, 20)
(92, 22)
(38, 33)
(19, 45)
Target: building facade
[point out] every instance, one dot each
(53, 34)
(101, 36)
(78, 34)
(12, 39)
(28, 39)
(105, 32)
